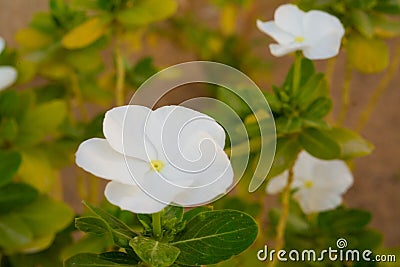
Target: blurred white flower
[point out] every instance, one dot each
(8, 74)
(153, 158)
(317, 33)
(319, 184)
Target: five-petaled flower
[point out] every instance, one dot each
(8, 74)
(317, 33)
(318, 184)
(153, 158)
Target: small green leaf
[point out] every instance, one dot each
(288, 125)
(120, 231)
(92, 225)
(118, 257)
(315, 87)
(352, 145)
(147, 11)
(318, 109)
(344, 219)
(171, 216)
(92, 260)
(154, 253)
(85, 33)
(214, 236)
(319, 144)
(8, 129)
(9, 103)
(9, 164)
(367, 55)
(16, 195)
(286, 153)
(363, 23)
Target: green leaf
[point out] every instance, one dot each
(315, 87)
(363, 23)
(92, 260)
(318, 109)
(45, 216)
(8, 129)
(14, 232)
(386, 27)
(9, 164)
(214, 236)
(9, 103)
(120, 231)
(367, 55)
(86, 33)
(307, 70)
(172, 215)
(189, 215)
(118, 257)
(388, 7)
(92, 225)
(288, 125)
(352, 145)
(41, 121)
(154, 253)
(286, 153)
(319, 144)
(16, 195)
(144, 12)
(343, 220)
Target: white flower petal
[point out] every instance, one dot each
(333, 175)
(8, 75)
(289, 18)
(132, 198)
(275, 32)
(277, 183)
(99, 158)
(324, 35)
(279, 50)
(124, 128)
(304, 166)
(316, 200)
(2, 44)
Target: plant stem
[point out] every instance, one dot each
(120, 70)
(330, 69)
(78, 95)
(156, 221)
(345, 93)
(379, 90)
(280, 236)
(297, 71)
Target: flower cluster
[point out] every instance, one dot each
(153, 158)
(316, 33)
(8, 74)
(319, 184)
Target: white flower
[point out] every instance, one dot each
(317, 33)
(8, 74)
(319, 183)
(153, 158)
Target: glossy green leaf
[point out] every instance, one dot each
(120, 231)
(367, 55)
(118, 257)
(92, 225)
(352, 145)
(214, 236)
(14, 232)
(92, 260)
(147, 11)
(16, 195)
(9, 164)
(172, 215)
(154, 253)
(318, 109)
(46, 215)
(285, 155)
(195, 211)
(319, 144)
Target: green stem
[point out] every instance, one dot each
(120, 70)
(345, 93)
(379, 90)
(156, 221)
(281, 228)
(78, 96)
(297, 71)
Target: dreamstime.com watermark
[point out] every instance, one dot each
(340, 253)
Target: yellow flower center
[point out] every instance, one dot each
(157, 165)
(308, 184)
(299, 39)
